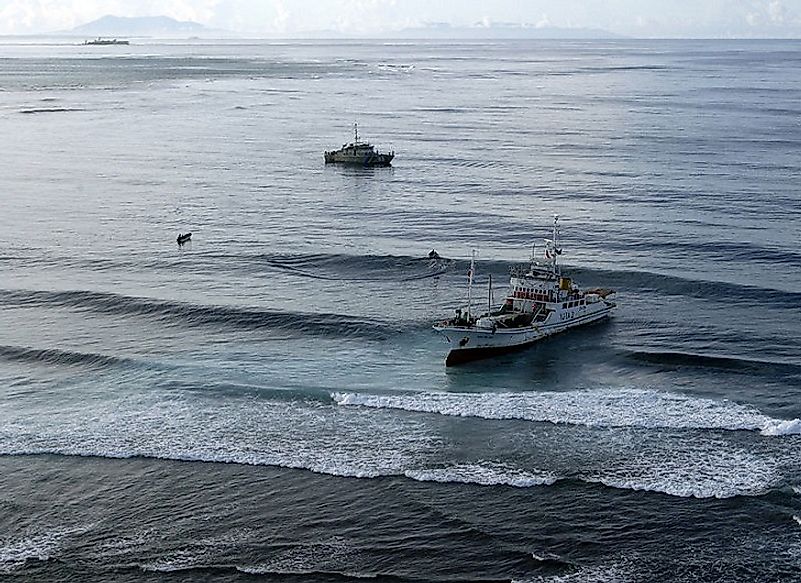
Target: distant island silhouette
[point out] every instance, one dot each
(122, 26)
(164, 26)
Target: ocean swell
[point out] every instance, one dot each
(189, 314)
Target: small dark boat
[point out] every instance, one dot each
(106, 41)
(183, 238)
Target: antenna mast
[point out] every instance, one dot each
(470, 273)
(556, 249)
(489, 296)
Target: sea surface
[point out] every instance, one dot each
(270, 403)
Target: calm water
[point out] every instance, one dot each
(270, 402)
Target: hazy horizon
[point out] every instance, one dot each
(381, 18)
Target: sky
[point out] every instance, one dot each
(637, 18)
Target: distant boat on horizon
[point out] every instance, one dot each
(106, 41)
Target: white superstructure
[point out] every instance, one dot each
(540, 302)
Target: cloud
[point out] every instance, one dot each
(777, 12)
(773, 17)
(544, 22)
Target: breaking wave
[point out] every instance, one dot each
(591, 574)
(350, 442)
(592, 408)
(484, 475)
(697, 471)
(15, 553)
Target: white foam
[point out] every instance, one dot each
(695, 472)
(706, 467)
(588, 574)
(307, 435)
(797, 519)
(797, 489)
(125, 544)
(373, 440)
(335, 555)
(181, 560)
(592, 408)
(485, 475)
(15, 553)
(782, 427)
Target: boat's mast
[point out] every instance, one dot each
(489, 295)
(470, 273)
(556, 249)
(355, 133)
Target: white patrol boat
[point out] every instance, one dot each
(540, 302)
(361, 153)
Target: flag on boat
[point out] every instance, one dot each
(550, 249)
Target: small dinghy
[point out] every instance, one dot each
(183, 238)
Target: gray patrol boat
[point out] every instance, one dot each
(360, 153)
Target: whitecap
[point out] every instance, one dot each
(623, 407)
(588, 574)
(181, 560)
(40, 546)
(484, 475)
(308, 436)
(775, 427)
(337, 554)
(14, 554)
(368, 443)
(543, 557)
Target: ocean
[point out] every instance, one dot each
(270, 403)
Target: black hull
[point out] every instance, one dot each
(465, 355)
